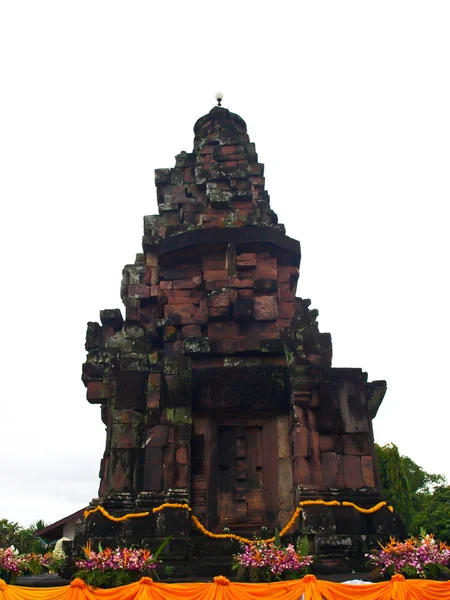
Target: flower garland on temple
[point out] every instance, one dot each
(232, 536)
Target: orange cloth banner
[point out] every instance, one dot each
(398, 588)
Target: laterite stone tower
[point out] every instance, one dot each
(217, 389)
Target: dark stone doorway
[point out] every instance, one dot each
(240, 457)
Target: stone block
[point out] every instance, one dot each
(215, 275)
(132, 309)
(353, 403)
(340, 472)
(98, 392)
(213, 264)
(246, 261)
(219, 299)
(351, 466)
(315, 471)
(181, 476)
(326, 443)
(194, 282)
(151, 259)
(121, 468)
(285, 274)
(181, 432)
(329, 469)
(314, 443)
(127, 416)
(221, 330)
(220, 284)
(285, 295)
(265, 308)
(162, 176)
(282, 323)
(196, 345)
(181, 297)
(224, 346)
(182, 455)
(219, 312)
(318, 520)
(286, 310)
(236, 282)
(130, 390)
(126, 436)
(188, 331)
(356, 443)
(157, 436)
(367, 471)
(170, 333)
(189, 176)
(300, 442)
(154, 380)
(243, 308)
(266, 268)
(301, 474)
(153, 468)
(265, 285)
(182, 314)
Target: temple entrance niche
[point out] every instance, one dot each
(241, 471)
(236, 455)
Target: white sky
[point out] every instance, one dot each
(348, 104)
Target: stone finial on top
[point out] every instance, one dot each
(219, 98)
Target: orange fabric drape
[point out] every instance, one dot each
(222, 589)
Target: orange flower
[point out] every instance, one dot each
(126, 554)
(87, 549)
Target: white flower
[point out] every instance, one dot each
(58, 552)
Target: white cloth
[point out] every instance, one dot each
(351, 582)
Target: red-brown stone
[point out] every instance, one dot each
(222, 330)
(265, 308)
(367, 471)
(182, 455)
(157, 435)
(351, 466)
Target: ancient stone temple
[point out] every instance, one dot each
(216, 387)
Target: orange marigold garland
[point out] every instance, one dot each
(233, 536)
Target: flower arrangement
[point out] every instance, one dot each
(13, 564)
(415, 557)
(112, 568)
(265, 560)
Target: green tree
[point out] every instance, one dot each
(419, 480)
(421, 498)
(10, 533)
(435, 513)
(24, 539)
(395, 485)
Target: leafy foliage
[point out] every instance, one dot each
(23, 538)
(302, 546)
(423, 500)
(434, 512)
(109, 578)
(394, 481)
